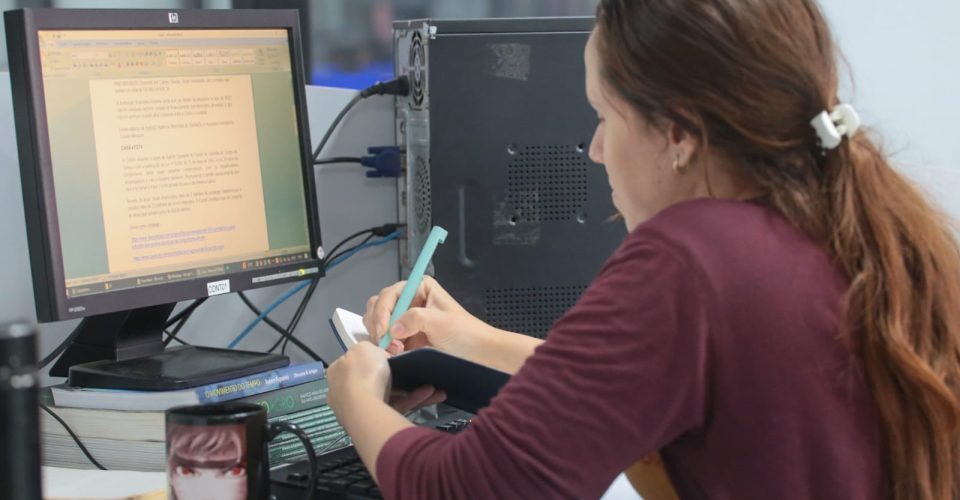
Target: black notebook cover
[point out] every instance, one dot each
(469, 386)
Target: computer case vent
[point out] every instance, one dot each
(547, 183)
(421, 195)
(531, 311)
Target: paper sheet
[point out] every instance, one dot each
(61, 483)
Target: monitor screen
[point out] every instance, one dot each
(169, 161)
(185, 163)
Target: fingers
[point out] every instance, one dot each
(427, 285)
(438, 396)
(421, 396)
(383, 307)
(368, 319)
(402, 404)
(379, 307)
(414, 321)
(432, 293)
(395, 347)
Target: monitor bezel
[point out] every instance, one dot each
(43, 229)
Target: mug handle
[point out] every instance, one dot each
(274, 429)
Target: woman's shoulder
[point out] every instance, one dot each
(711, 216)
(724, 226)
(731, 242)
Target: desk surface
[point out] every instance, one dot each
(71, 483)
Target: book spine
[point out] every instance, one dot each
(259, 383)
(291, 399)
(305, 406)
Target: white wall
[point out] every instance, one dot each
(905, 62)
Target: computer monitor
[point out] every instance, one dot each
(164, 156)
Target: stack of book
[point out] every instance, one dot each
(125, 429)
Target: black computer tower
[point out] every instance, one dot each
(497, 130)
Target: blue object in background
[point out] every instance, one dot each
(332, 76)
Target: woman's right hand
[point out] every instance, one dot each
(433, 319)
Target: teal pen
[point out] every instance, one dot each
(437, 236)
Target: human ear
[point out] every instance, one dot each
(683, 143)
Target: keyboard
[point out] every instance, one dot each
(341, 474)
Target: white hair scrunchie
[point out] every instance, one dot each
(832, 126)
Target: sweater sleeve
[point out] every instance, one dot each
(620, 375)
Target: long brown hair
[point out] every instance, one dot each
(747, 77)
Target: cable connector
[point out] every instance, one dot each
(398, 86)
(384, 160)
(386, 229)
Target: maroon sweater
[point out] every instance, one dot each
(713, 335)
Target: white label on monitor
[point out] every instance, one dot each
(218, 287)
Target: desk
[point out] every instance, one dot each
(67, 483)
(620, 489)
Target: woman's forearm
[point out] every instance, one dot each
(370, 423)
(502, 350)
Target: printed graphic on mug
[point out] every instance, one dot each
(207, 461)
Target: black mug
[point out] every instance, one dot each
(220, 451)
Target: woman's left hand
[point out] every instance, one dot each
(364, 371)
(362, 374)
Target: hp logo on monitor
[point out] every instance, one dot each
(174, 17)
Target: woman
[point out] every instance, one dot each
(780, 322)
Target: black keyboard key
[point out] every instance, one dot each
(338, 485)
(323, 467)
(375, 492)
(366, 484)
(358, 488)
(299, 477)
(358, 476)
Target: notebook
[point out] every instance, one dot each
(469, 386)
(348, 327)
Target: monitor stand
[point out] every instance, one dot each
(124, 350)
